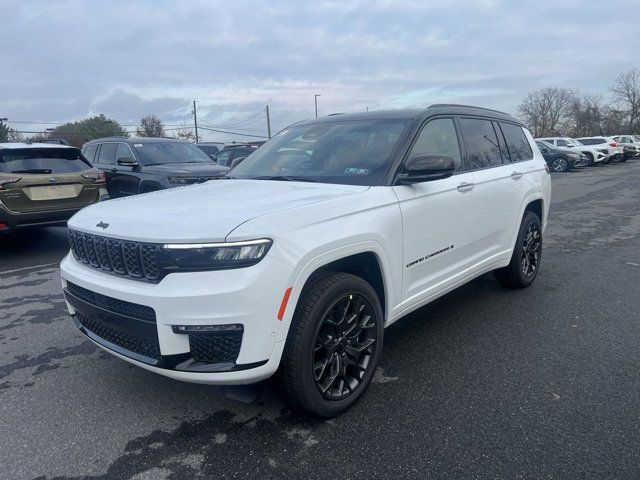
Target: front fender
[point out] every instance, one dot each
(314, 261)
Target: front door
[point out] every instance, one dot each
(439, 219)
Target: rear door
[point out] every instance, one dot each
(439, 223)
(499, 184)
(46, 179)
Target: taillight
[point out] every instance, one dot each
(6, 180)
(613, 144)
(97, 177)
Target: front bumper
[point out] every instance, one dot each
(249, 297)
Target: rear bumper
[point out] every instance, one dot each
(42, 218)
(17, 221)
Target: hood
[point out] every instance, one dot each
(204, 212)
(186, 169)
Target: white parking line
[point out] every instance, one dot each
(30, 268)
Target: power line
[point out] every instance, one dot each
(232, 133)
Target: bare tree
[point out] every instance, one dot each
(585, 115)
(614, 122)
(545, 109)
(626, 90)
(150, 126)
(185, 132)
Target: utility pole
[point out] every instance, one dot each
(195, 120)
(268, 122)
(315, 99)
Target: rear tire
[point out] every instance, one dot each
(527, 254)
(333, 345)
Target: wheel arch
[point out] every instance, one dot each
(366, 260)
(536, 206)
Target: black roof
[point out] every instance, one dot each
(136, 140)
(416, 113)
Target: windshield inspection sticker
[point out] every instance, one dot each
(427, 257)
(357, 171)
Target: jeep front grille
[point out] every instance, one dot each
(136, 260)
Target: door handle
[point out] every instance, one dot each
(516, 175)
(465, 187)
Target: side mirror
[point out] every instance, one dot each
(127, 162)
(426, 167)
(213, 157)
(235, 162)
(544, 150)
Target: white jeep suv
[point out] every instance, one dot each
(296, 261)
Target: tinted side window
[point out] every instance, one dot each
(517, 143)
(562, 143)
(123, 151)
(439, 137)
(107, 155)
(481, 143)
(90, 152)
(223, 158)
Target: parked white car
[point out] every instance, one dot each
(295, 263)
(630, 144)
(615, 151)
(593, 154)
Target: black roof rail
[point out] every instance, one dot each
(437, 105)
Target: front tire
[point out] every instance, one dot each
(333, 346)
(560, 164)
(590, 161)
(527, 254)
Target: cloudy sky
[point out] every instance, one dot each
(64, 60)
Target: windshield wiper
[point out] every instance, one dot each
(33, 170)
(283, 178)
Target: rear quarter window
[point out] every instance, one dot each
(43, 160)
(517, 143)
(90, 152)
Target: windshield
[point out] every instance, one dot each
(158, 153)
(348, 152)
(42, 160)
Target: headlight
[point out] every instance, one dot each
(214, 256)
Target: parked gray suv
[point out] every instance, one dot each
(140, 165)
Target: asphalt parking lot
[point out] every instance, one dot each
(483, 383)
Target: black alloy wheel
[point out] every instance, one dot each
(333, 345)
(524, 265)
(344, 346)
(531, 247)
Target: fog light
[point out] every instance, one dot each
(234, 327)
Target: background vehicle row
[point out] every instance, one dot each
(140, 165)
